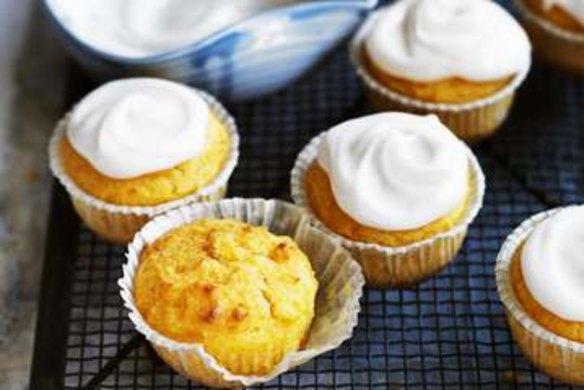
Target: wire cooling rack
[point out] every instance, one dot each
(449, 332)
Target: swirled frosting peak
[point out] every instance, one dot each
(429, 40)
(552, 263)
(133, 127)
(395, 171)
(573, 7)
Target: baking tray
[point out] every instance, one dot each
(449, 332)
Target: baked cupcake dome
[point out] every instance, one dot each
(340, 283)
(240, 291)
(137, 147)
(556, 28)
(413, 57)
(539, 278)
(368, 181)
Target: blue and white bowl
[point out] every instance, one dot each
(254, 57)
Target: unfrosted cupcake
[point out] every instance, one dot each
(236, 292)
(399, 190)
(556, 28)
(540, 277)
(459, 59)
(136, 147)
(242, 292)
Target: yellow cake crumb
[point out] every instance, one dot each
(325, 207)
(572, 330)
(244, 293)
(453, 90)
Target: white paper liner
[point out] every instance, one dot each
(547, 25)
(337, 303)
(215, 186)
(448, 242)
(507, 292)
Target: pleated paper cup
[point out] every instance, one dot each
(395, 267)
(562, 48)
(337, 302)
(119, 223)
(556, 356)
(472, 121)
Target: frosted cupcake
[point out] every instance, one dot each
(137, 147)
(459, 59)
(556, 28)
(399, 190)
(541, 283)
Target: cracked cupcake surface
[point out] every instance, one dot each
(242, 292)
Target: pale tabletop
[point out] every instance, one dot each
(31, 80)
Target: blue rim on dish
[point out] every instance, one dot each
(249, 59)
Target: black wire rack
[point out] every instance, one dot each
(449, 332)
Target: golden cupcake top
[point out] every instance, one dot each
(566, 14)
(233, 287)
(142, 142)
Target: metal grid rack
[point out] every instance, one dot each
(448, 332)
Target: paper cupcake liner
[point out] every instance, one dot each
(337, 302)
(562, 48)
(394, 267)
(557, 356)
(119, 223)
(471, 121)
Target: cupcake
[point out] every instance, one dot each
(399, 190)
(138, 147)
(556, 28)
(541, 283)
(461, 60)
(237, 289)
(236, 292)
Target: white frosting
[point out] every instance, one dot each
(395, 171)
(139, 28)
(552, 263)
(132, 127)
(573, 7)
(428, 40)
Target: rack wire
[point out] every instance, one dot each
(449, 332)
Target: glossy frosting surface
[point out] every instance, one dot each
(132, 127)
(552, 263)
(429, 40)
(139, 28)
(395, 171)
